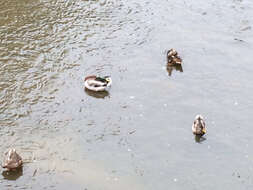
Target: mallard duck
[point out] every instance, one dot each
(97, 84)
(199, 126)
(12, 160)
(173, 57)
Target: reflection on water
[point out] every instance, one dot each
(13, 174)
(199, 138)
(94, 94)
(174, 67)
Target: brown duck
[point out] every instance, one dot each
(12, 160)
(199, 126)
(173, 58)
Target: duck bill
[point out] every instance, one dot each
(204, 131)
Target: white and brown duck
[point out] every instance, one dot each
(199, 126)
(96, 83)
(12, 160)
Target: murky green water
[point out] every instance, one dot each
(137, 136)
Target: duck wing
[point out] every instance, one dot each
(95, 83)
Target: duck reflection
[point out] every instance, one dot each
(170, 68)
(199, 138)
(13, 174)
(94, 94)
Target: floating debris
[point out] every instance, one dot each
(239, 40)
(246, 28)
(34, 173)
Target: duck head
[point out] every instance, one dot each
(108, 79)
(172, 52)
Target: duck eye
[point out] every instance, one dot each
(107, 79)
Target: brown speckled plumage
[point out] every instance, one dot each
(12, 160)
(199, 126)
(173, 58)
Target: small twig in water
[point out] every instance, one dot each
(34, 173)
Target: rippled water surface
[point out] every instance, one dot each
(138, 134)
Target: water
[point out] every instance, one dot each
(138, 135)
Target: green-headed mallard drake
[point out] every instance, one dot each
(199, 126)
(173, 57)
(97, 84)
(12, 160)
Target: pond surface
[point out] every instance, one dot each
(138, 135)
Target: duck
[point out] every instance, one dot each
(199, 126)
(96, 83)
(12, 161)
(173, 58)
